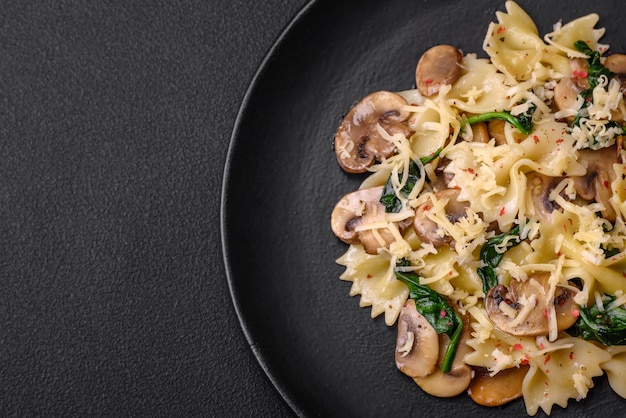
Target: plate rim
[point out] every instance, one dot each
(224, 240)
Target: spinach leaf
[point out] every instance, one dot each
(389, 199)
(607, 326)
(432, 306)
(523, 122)
(491, 258)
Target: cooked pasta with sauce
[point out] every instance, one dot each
(491, 229)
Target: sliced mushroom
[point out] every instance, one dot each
(417, 344)
(427, 230)
(522, 309)
(596, 183)
(496, 390)
(480, 133)
(456, 381)
(496, 131)
(567, 89)
(362, 207)
(439, 65)
(443, 177)
(616, 63)
(540, 187)
(358, 143)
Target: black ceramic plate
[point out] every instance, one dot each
(325, 355)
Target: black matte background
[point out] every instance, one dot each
(115, 118)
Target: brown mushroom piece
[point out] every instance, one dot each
(616, 63)
(437, 66)
(427, 230)
(363, 207)
(596, 183)
(480, 133)
(457, 380)
(540, 187)
(417, 344)
(567, 89)
(499, 389)
(358, 143)
(522, 308)
(496, 131)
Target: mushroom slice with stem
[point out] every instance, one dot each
(358, 209)
(437, 66)
(427, 230)
(358, 143)
(596, 184)
(496, 390)
(522, 309)
(540, 186)
(417, 344)
(446, 385)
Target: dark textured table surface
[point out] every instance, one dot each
(115, 120)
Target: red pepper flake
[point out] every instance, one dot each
(541, 346)
(606, 183)
(426, 207)
(471, 170)
(559, 254)
(498, 344)
(428, 81)
(536, 139)
(517, 347)
(443, 313)
(450, 273)
(571, 355)
(369, 276)
(576, 313)
(502, 211)
(545, 313)
(500, 29)
(524, 362)
(559, 141)
(547, 359)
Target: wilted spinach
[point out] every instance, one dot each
(607, 325)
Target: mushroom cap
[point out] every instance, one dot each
(616, 63)
(536, 322)
(427, 230)
(417, 344)
(437, 66)
(358, 144)
(496, 390)
(363, 207)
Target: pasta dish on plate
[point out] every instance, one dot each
(491, 229)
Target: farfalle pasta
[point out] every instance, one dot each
(492, 227)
